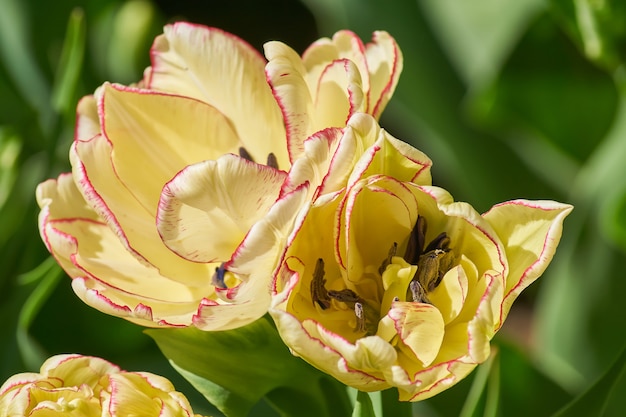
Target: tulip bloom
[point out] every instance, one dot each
(75, 385)
(387, 282)
(178, 204)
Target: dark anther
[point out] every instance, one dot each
(243, 152)
(387, 261)
(272, 161)
(442, 241)
(417, 238)
(318, 289)
(218, 277)
(346, 295)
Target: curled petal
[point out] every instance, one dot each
(530, 232)
(219, 68)
(221, 199)
(254, 262)
(420, 328)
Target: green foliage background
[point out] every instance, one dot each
(523, 99)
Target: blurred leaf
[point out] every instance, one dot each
(593, 402)
(363, 406)
(70, 65)
(524, 388)
(598, 26)
(479, 35)
(390, 405)
(221, 365)
(549, 95)
(10, 147)
(129, 40)
(17, 56)
(483, 376)
(48, 274)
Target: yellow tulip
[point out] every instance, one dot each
(166, 218)
(387, 282)
(85, 386)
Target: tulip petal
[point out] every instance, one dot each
(450, 294)
(384, 61)
(105, 275)
(155, 135)
(207, 208)
(364, 240)
(530, 232)
(221, 69)
(254, 262)
(337, 95)
(125, 216)
(285, 75)
(87, 119)
(314, 344)
(483, 326)
(420, 327)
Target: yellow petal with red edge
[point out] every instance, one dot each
(207, 208)
(326, 350)
(530, 232)
(155, 135)
(384, 62)
(221, 69)
(127, 218)
(254, 262)
(420, 328)
(286, 76)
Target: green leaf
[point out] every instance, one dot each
(594, 402)
(48, 274)
(363, 406)
(70, 65)
(235, 369)
(599, 27)
(483, 375)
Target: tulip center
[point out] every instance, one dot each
(430, 262)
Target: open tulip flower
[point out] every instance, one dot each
(75, 385)
(179, 204)
(387, 282)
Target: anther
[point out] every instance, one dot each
(318, 290)
(387, 261)
(417, 292)
(243, 152)
(442, 241)
(345, 296)
(360, 317)
(272, 162)
(417, 239)
(218, 277)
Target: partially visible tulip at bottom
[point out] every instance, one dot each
(86, 386)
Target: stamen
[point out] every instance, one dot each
(417, 292)
(417, 238)
(272, 161)
(243, 152)
(345, 296)
(360, 317)
(442, 241)
(318, 290)
(392, 252)
(218, 277)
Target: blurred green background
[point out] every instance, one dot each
(523, 99)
